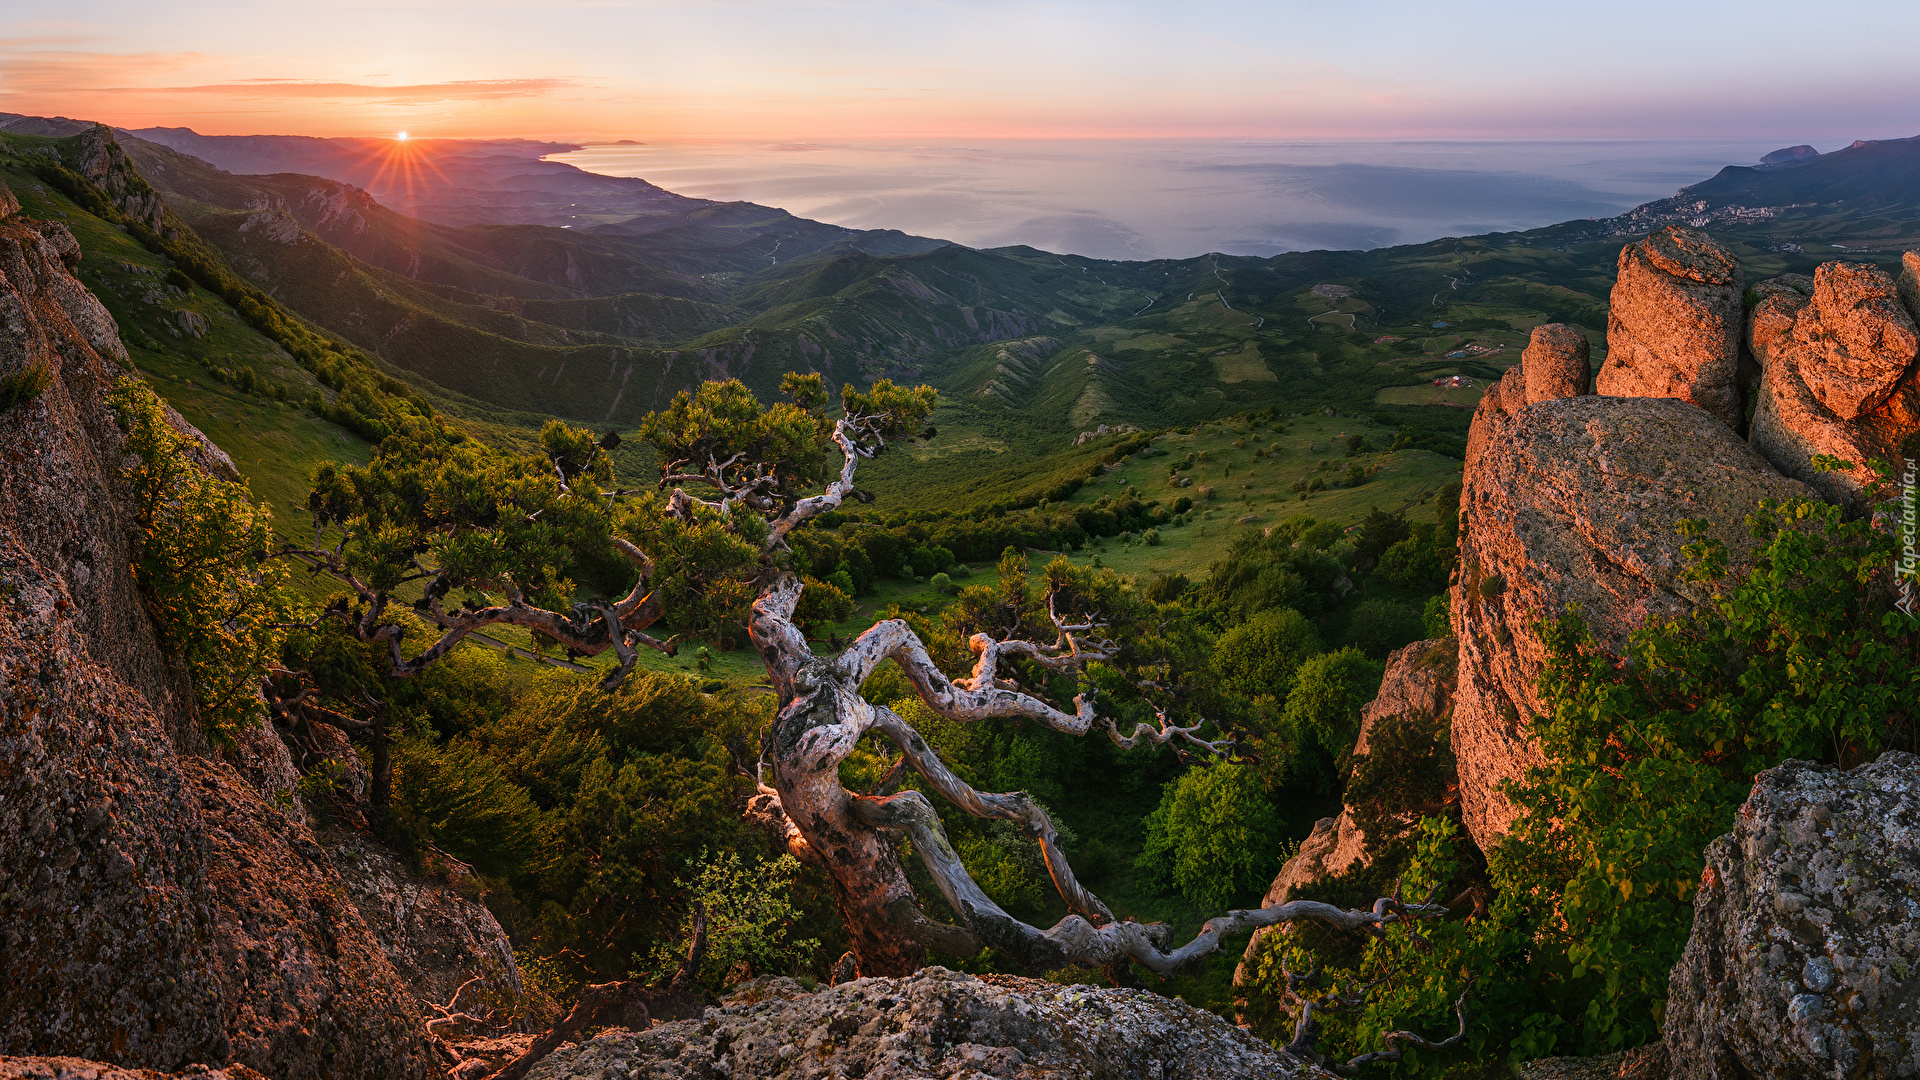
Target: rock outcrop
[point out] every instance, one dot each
(436, 933)
(934, 1024)
(1418, 679)
(157, 908)
(1674, 324)
(1838, 374)
(1804, 959)
(1575, 501)
(1557, 363)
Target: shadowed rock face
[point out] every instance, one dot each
(1806, 936)
(1556, 364)
(158, 907)
(1838, 375)
(435, 935)
(1674, 323)
(1576, 501)
(933, 1024)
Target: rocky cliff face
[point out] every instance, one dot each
(1571, 499)
(1837, 353)
(1576, 502)
(161, 904)
(1805, 955)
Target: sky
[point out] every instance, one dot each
(730, 69)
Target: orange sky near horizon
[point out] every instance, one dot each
(577, 70)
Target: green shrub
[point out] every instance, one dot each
(750, 916)
(1377, 627)
(202, 567)
(1258, 658)
(1439, 622)
(1649, 757)
(1215, 835)
(1323, 708)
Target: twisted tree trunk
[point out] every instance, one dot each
(822, 718)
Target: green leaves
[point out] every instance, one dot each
(1650, 755)
(1215, 834)
(749, 918)
(720, 435)
(469, 516)
(201, 569)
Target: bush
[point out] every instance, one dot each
(1377, 627)
(1258, 658)
(1323, 708)
(749, 917)
(460, 798)
(1215, 836)
(202, 566)
(1649, 757)
(941, 583)
(1439, 622)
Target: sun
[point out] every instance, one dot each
(402, 137)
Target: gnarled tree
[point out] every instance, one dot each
(596, 568)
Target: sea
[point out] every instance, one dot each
(1172, 198)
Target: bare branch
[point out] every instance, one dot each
(894, 639)
(1166, 733)
(1393, 1038)
(830, 499)
(631, 1003)
(765, 810)
(1015, 806)
(1074, 940)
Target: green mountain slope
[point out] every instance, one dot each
(603, 322)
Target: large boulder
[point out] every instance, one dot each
(1674, 323)
(161, 904)
(1568, 502)
(1839, 377)
(1804, 959)
(934, 1024)
(1777, 303)
(1556, 363)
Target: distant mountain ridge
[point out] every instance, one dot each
(602, 322)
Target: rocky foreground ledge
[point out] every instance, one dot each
(72, 1068)
(934, 1024)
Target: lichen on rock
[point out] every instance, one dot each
(933, 1024)
(1804, 959)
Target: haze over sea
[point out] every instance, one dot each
(1145, 199)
